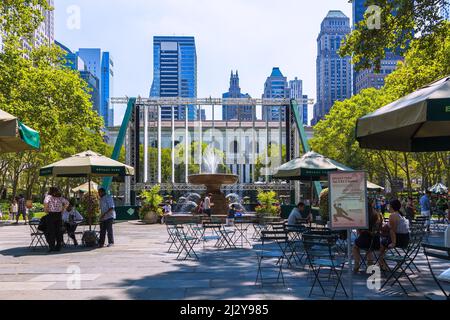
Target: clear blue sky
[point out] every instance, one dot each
(251, 36)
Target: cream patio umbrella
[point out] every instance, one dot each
(85, 187)
(87, 164)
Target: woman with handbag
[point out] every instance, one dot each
(54, 205)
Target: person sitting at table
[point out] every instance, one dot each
(297, 213)
(398, 236)
(71, 217)
(368, 240)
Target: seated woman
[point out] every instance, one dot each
(368, 240)
(71, 217)
(398, 236)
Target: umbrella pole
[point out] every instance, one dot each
(89, 203)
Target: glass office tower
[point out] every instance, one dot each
(175, 73)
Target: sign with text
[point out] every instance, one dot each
(348, 200)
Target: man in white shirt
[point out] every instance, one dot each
(71, 217)
(299, 213)
(207, 205)
(107, 217)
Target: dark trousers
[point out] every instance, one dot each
(106, 227)
(54, 231)
(70, 229)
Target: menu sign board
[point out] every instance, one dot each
(348, 200)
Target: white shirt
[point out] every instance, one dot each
(74, 213)
(106, 203)
(207, 203)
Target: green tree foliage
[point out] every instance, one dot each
(335, 135)
(39, 90)
(402, 21)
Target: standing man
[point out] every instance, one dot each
(207, 205)
(425, 208)
(107, 217)
(21, 204)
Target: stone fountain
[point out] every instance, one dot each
(214, 181)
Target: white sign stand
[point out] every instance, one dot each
(341, 189)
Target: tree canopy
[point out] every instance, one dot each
(401, 22)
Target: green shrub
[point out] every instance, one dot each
(151, 201)
(268, 203)
(324, 209)
(90, 207)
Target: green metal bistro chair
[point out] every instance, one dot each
(271, 254)
(322, 255)
(442, 254)
(403, 261)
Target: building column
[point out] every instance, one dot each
(145, 143)
(173, 143)
(159, 146)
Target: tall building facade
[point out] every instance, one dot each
(107, 82)
(296, 92)
(334, 73)
(175, 73)
(74, 62)
(100, 64)
(275, 87)
(368, 78)
(241, 113)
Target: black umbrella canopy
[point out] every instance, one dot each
(418, 122)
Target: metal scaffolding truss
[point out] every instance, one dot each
(145, 114)
(210, 101)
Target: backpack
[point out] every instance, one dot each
(43, 224)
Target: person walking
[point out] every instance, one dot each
(207, 205)
(107, 217)
(425, 208)
(22, 209)
(54, 205)
(13, 209)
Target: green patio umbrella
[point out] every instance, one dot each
(15, 136)
(418, 122)
(311, 167)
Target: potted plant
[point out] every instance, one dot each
(90, 210)
(151, 211)
(268, 204)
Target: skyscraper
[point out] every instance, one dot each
(334, 73)
(242, 113)
(296, 92)
(74, 62)
(101, 65)
(175, 73)
(276, 87)
(368, 78)
(107, 81)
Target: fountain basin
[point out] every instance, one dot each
(213, 182)
(213, 179)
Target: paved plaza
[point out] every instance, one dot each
(139, 267)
